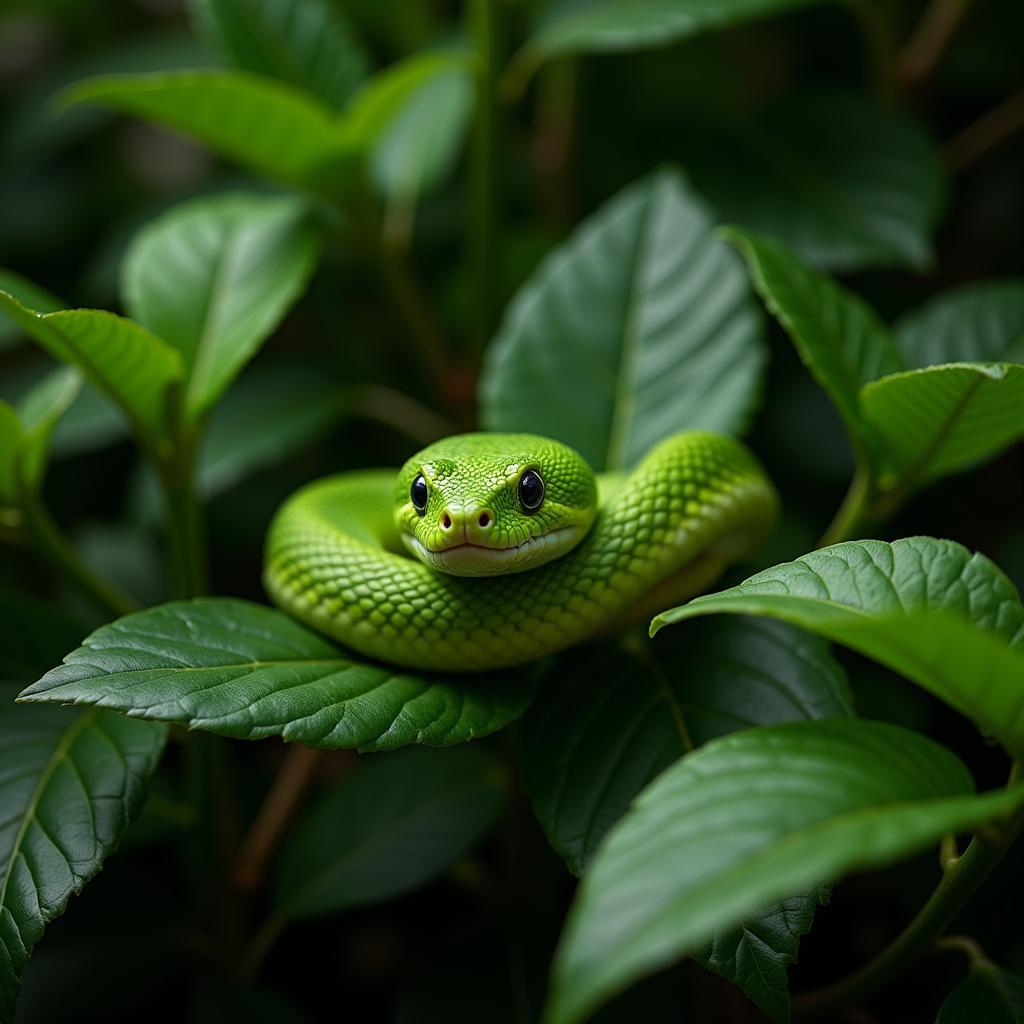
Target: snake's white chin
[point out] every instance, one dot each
(475, 560)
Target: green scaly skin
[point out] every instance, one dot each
(335, 551)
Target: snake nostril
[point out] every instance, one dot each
(446, 522)
(484, 520)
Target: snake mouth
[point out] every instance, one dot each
(468, 559)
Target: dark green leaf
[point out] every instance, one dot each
(989, 995)
(266, 126)
(28, 294)
(396, 823)
(649, 316)
(214, 276)
(748, 819)
(974, 323)
(247, 671)
(836, 333)
(305, 42)
(39, 412)
(929, 609)
(73, 782)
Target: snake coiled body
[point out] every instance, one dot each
(334, 554)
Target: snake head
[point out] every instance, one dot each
(483, 504)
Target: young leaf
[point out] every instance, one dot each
(28, 294)
(412, 118)
(392, 826)
(305, 42)
(73, 783)
(844, 183)
(214, 276)
(988, 994)
(948, 620)
(803, 802)
(649, 316)
(266, 126)
(247, 671)
(974, 323)
(941, 419)
(837, 335)
(136, 370)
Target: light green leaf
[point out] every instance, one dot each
(932, 422)
(393, 825)
(929, 609)
(988, 994)
(974, 323)
(749, 819)
(136, 370)
(837, 335)
(11, 437)
(308, 43)
(247, 671)
(73, 781)
(39, 412)
(268, 127)
(28, 294)
(844, 183)
(412, 118)
(214, 277)
(650, 318)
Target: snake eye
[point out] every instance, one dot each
(531, 492)
(418, 494)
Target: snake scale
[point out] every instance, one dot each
(489, 550)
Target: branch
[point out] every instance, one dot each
(929, 40)
(989, 132)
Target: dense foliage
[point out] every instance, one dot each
(335, 231)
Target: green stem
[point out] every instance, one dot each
(853, 513)
(55, 547)
(186, 537)
(484, 171)
(961, 879)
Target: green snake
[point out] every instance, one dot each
(489, 550)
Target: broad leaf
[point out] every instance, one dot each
(28, 294)
(748, 819)
(988, 994)
(611, 26)
(974, 323)
(948, 620)
(305, 42)
(932, 422)
(844, 183)
(247, 671)
(412, 118)
(136, 370)
(393, 825)
(837, 335)
(25, 433)
(72, 783)
(642, 324)
(214, 276)
(266, 126)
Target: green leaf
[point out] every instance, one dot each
(929, 609)
(136, 370)
(844, 183)
(974, 323)
(268, 127)
(605, 723)
(305, 42)
(28, 294)
(988, 994)
(837, 335)
(412, 118)
(939, 420)
(392, 826)
(613, 26)
(214, 277)
(649, 316)
(73, 782)
(247, 671)
(748, 819)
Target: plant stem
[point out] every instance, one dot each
(55, 547)
(929, 40)
(483, 239)
(877, 31)
(989, 132)
(854, 510)
(186, 536)
(961, 879)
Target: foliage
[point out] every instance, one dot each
(254, 242)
